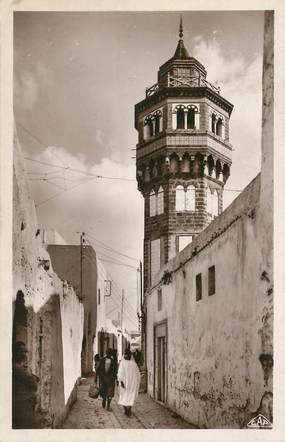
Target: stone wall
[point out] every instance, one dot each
(51, 323)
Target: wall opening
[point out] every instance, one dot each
(191, 119)
(180, 119)
(198, 287)
(212, 280)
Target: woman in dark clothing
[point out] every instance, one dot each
(107, 372)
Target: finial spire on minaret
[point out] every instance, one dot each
(181, 28)
(181, 52)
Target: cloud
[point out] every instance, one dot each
(241, 84)
(108, 209)
(26, 90)
(99, 136)
(27, 84)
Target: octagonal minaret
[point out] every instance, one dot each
(183, 156)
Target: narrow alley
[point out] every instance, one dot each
(89, 413)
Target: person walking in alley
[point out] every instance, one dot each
(129, 382)
(107, 372)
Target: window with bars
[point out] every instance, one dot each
(198, 287)
(212, 280)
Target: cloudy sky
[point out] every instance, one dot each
(77, 77)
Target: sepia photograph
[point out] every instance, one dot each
(142, 222)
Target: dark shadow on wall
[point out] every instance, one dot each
(38, 397)
(24, 382)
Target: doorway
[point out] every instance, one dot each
(160, 361)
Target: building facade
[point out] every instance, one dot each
(183, 157)
(209, 310)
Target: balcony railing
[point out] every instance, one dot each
(189, 81)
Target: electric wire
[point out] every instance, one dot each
(116, 293)
(110, 248)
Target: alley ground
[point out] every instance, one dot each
(89, 413)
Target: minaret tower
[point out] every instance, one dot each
(183, 156)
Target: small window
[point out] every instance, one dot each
(160, 201)
(156, 124)
(215, 203)
(219, 127)
(183, 241)
(150, 128)
(209, 201)
(212, 281)
(159, 299)
(180, 119)
(152, 204)
(190, 198)
(191, 119)
(198, 287)
(99, 296)
(180, 198)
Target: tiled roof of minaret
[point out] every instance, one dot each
(181, 52)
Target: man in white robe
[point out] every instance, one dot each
(129, 382)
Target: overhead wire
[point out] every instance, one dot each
(63, 191)
(72, 169)
(131, 314)
(111, 248)
(115, 260)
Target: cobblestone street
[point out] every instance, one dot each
(89, 413)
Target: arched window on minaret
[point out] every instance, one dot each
(148, 128)
(179, 198)
(157, 122)
(152, 203)
(191, 119)
(190, 198)
(219, 127)
(180, 118)
(215, 198)
(209, 201)
(214, 123)
(160, 201)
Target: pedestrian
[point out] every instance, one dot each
(129, 382)
(138, 357)
(107, 372)
(96, 364)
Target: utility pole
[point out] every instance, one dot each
(141, 286)
(82, 244)
(122, 309)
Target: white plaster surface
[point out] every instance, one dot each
(38, 284)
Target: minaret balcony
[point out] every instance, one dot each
(189, 140)
(181, 81)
